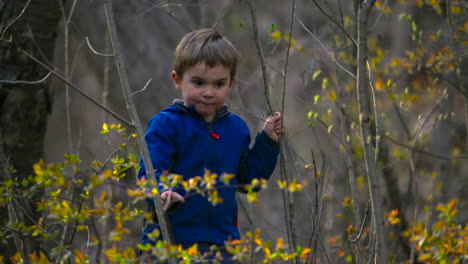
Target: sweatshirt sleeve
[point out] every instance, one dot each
(258, 162)
(160, 138)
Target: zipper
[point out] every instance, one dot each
(214, 137)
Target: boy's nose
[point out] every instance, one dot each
(208, 92)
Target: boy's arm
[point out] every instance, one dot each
(260, 161)
(161, 139)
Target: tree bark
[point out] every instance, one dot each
(31, 26)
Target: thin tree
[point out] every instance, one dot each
(365, 121)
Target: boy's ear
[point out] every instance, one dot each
(233, 80)
(177, 81)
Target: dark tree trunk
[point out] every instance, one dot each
(24, 107)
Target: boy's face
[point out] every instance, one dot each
(205, 88)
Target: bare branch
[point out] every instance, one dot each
(58, 75)
(335, 22)
(326, 50)
(144, 87)
(169, 13)
(15, 19)
(394, 141)
(261, 56)
(97, 52)
(27, 82)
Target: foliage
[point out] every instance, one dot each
(445, 242)
(74, 199)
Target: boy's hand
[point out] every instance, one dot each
(168, 198)
(272, 126)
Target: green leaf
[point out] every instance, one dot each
(145, 247)
(9, 183)
(316, 99)
(324, 83)
(272, 28)
(241, 23)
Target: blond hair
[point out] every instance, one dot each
(205, 46)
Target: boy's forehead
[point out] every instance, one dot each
(201, 69)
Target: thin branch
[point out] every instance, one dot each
(144, 87)
(124, 81)
(27, 82)
(15, 19)
(227, 11)
(336, 136)
(261, 56)
(358, 237)
(58, 75)
(283, 161)
(72, 10)
(75, 59)
(335, 22)
(376, 117)
(326, 50)
(424, 151)
(97, 52)
(169, 13)
(379, 16)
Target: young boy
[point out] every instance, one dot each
(197, 134)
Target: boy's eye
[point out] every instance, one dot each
(220, 84)
(197, 82)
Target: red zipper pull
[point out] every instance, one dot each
(214, 135)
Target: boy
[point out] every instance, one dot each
(197, 134)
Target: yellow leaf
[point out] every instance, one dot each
(332, 95)
(351, 229)
(79, 257)
(304, 252)
(379, 84)
(39, 168)
(280, 243)
(103, 197)
(452, 204)
(276, 35)
(193, 250)
(347, 201)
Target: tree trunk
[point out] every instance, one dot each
(30, 26)
(362, 84)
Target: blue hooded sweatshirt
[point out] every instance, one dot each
(181, 142)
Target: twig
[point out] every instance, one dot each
(223, 15)
(424, 151)
(283, 161)
(169, 14)
(336, 136)
(376, 117)
(144, 87)
(15, 19)
(358, 237)
(97, 52)
(27, 82)
(379, 16)
(261, 56)
(334, 21)
(326, 50)
(58, 75)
